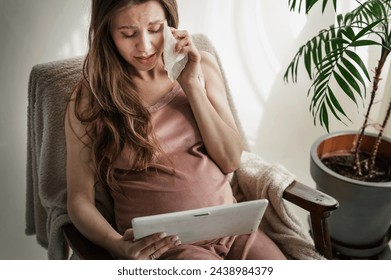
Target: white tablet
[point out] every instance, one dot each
(204, 223)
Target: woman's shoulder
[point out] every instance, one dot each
(211, 68)
(79, 102)
(81, 95)
(209, 63)
(75, 129)
(82, 89)
(208, 58)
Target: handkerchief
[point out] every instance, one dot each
(173, 62)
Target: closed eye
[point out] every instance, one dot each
(156, 29)
(128, 36)
(152, 30)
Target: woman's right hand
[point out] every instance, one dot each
(147, 248)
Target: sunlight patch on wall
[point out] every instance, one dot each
(76, 42)
(261, 36)
(76, 45)
(296, 23)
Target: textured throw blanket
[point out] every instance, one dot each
(50, 86)
(257, 179)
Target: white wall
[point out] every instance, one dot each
(31, 32)
(255, 39)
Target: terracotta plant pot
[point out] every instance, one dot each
(361, 225)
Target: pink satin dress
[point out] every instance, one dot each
(190, 180)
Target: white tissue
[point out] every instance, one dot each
(173, 62)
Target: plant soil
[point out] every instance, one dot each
(345, 166)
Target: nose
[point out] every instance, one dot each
(145, 43)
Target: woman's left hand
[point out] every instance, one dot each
(185, 45)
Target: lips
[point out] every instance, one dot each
(145, 59)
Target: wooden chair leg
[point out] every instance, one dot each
(321, 234)
(320, 207)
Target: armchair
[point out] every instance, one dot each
(50, 86)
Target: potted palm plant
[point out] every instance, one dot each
(352, 166)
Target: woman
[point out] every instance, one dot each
(159, 146)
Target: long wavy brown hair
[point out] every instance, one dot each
(115, 117)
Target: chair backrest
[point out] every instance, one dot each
(50, 87)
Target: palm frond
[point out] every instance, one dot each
(309, 4)
(331, 61)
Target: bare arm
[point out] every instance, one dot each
(211, 109)
(80, 185)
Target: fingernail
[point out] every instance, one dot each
(178, 243)
(162, 235)
(175, 238)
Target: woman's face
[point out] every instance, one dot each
(137, 31)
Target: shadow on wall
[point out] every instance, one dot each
(44, 30)
(32, 32)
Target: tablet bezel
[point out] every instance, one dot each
(204, 223)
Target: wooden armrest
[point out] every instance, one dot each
(85, 249)
(309, 198)
(320, 206)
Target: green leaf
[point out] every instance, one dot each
(349, 32)
(294, 5)
(377, 10)
(339, 41)
(325, 4)
(361, 43)
(331, 107)
(309, 5)
(327, 44)
(324, 117)
(319, 84)
(307, 60)
(359, 62)
(320, 50)
(326, 67)
(340, 20)
(367, 29)
(349, 78)
(315, 52)
(294, 69)
(320, 88)
(336, 103)
(319, 93)
(334, 45)
(345, 87)
(330, 59)
(353, 70)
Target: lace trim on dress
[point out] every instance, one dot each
(165, 99)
